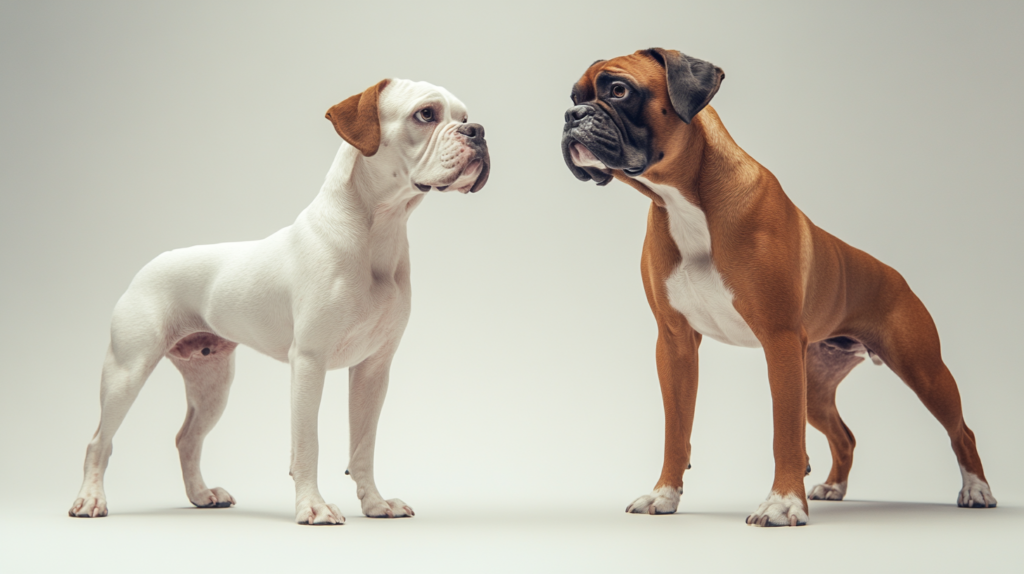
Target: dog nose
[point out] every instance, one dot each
(577, 113)
(473, 132)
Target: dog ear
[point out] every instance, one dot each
(356, 119)
(691, 82)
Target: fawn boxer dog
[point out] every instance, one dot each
(728, 256)
(328, 292)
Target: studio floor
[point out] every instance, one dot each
(851, 536)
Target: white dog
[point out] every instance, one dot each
(328, 292)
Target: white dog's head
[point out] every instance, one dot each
(419, 131)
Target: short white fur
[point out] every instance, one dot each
(696, 288)
(664, 500)
(975, 492)
(779, 510)
(328, 292)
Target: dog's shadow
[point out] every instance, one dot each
(822, 513)
(873, 511)
(862, 512)
(234, 512)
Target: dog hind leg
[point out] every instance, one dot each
(133, 354)
(828, 363)
(909, 343)
(207, 363)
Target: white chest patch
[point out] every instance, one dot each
(695, 288)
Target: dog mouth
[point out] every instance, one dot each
(583, 157)
(594, 145)
(470, 179)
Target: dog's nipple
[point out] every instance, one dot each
(206, 351)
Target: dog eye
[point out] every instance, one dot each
(426, 115)
(619, 91)
(464, 120)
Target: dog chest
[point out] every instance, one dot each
(367, 327)
(695, 287)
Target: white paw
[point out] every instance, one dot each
(380, 508)
(318, 513)
(827, 491)
(215, 497)
(975, 493)
(664, 500)
(93, 506)
(779, 510)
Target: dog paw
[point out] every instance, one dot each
(664, 500)
(380, 508)
(827, 491)
(779, 510)
(318, 513)
(215, 497)
(89, 507)
(975, 493)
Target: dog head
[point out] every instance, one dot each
(625, 109)
(419, 131)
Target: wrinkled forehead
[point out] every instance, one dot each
(405, 97)
(640, 68)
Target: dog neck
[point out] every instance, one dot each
(705, 164)
(365, 193)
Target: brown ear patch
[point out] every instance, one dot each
(357, 121)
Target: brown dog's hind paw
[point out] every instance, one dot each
(827, 491)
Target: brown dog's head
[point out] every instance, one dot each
(620, 107)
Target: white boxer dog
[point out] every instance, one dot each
(328, 292)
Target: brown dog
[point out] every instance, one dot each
(728, 256)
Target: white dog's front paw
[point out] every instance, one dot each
(975, 493)
(318, 513)
(215, 497)
(779, 510)
(827, 491)
(664, 500)
(380, 508)
(93, 506)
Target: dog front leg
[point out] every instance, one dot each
(786, 505)
(308, 373)
(677, 371)
(367, 385)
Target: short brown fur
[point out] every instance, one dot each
(793, 283)
(357, 121)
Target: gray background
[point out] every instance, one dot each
(524, 412)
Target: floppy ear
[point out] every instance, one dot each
(691, 82)
(356, 119)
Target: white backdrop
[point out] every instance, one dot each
(526, 378)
